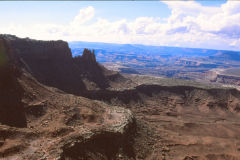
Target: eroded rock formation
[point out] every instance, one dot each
(52, 64)
(40, 122)
(40, 118)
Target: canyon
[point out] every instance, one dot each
(196, 64)
(56, 106)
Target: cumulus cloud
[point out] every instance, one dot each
(189, 25)
(83, 16)
(232, 7)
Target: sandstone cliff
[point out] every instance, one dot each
(52, 64)
(41, 122)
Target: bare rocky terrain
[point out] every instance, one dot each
(46, 114)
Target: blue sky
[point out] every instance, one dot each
(50, 11)
(201, 24)
(28, 12)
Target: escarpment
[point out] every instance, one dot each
(52, 64)
(199, 99)
(55, 106)
(41, 122)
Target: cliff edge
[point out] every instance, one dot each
(42, 122)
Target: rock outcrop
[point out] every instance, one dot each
(220, 76)
(41, 122)
(52, 64)
(91, 70)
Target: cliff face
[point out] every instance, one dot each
(51, 63)
(11, 107)
(39, 122)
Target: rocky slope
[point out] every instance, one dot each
(182, 120)
(118, 117)
(40, 122)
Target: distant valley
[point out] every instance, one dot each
(205, 65)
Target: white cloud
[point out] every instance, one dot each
(232, 7)
(190, 25)
(84, 15)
